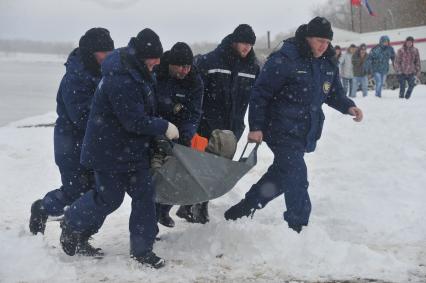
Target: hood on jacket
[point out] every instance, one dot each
(124, 61)
(410, 38)
(384, 38)
(75, 63)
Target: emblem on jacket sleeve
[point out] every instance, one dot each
(326, 87)
(177, 108)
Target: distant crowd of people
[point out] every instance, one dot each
(357, 66)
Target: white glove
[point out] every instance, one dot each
(172, 132)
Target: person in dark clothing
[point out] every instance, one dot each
(180, 94)
(122, 124)
(286, 111)
(73, 100)
(228, 73)
(338, 54)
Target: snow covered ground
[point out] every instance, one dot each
(368, 219)
(367, 186)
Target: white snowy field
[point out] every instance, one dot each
(368, 222)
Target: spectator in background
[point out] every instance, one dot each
(360, 72)
(378, 62)
(346, 70)
(338, 54)
(407, 66)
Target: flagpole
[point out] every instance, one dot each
(360, 20)
(352, 14)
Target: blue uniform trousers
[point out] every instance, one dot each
(88, 213)
(75, 182)
(287, 175)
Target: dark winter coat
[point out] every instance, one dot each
(180, 101)
(336, 58)
(378, 60)
(287, 98)
(122, 121)
(359, 64)
(73, 100)
(228, 80)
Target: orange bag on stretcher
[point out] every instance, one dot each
(199, 143)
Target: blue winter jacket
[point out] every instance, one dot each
(74, 99)
(378, 60)
(180, 100)
(287, 98)
(228, 80)
(122, 121)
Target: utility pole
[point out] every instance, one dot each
(352, 14)
(360, 20)
(392, 18)
(269, 39)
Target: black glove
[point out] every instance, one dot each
(163, 145)
(185, 140)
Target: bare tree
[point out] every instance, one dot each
(338, 12)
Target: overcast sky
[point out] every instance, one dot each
(184, 20)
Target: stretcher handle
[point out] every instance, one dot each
(242, 159)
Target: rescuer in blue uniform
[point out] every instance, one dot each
(286, 112)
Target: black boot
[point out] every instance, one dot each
(165, 219)
(205, 212)
(74, 243)
(297, 228)
(150, 259)
(185, 212)
(84, 248)
(201, 213)
(38, 217)
(68, 239)
(243, 208)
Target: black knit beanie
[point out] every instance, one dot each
(148, 44)
(244, 34)
(319, 27)
(181, 54)
(96, 40)
(410, 38)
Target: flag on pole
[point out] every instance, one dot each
(365, 3)
(370, 11)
